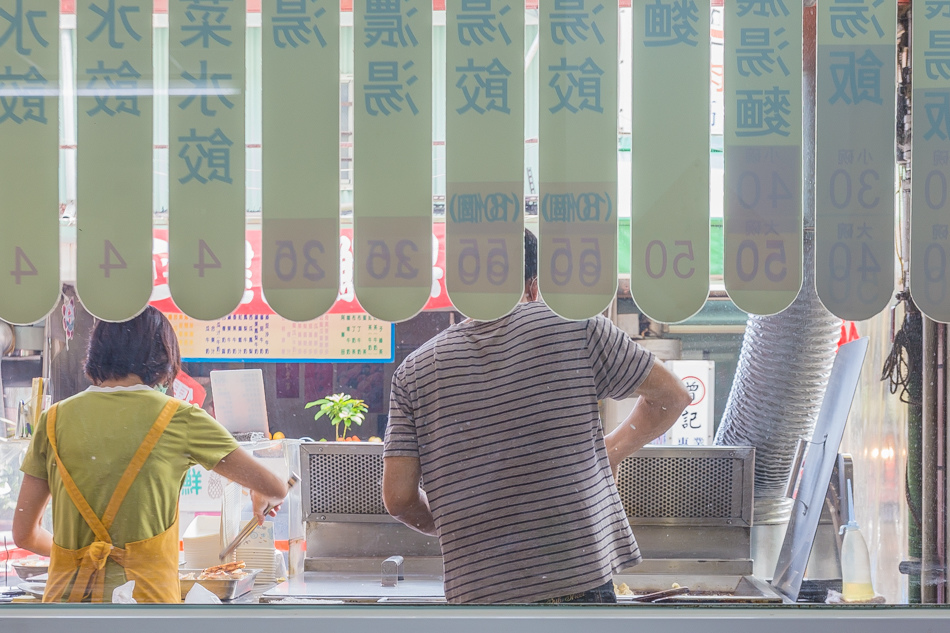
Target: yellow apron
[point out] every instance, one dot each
(152, 563)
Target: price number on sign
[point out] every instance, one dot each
(774, 266)
(206, 258)
(111, 260)
(749, 190)
(935, 272)
(470, 261)
(23, 267)
(658, 259)
(384, 261)
(289, 267)
(843, 265)
(587, 263)
(843, 189)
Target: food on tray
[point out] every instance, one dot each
(227, 571)
(32, 562)
(622, 589)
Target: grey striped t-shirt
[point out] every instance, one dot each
(503, 418)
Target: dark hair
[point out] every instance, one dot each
(530, 255)
(145, 345)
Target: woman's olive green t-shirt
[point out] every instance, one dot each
(98, 432)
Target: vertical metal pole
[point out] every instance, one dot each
(941, 483)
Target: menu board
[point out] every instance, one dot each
(29, 122)
(206, 198)
(577, 244)
(763, 159)
(930, 162)
(854, 182)
(392, 186)
(266, 338)
(301, 156)
(669, 219)
(114, 219)
(484, 113)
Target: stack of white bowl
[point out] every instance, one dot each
(258, 552)
(202, 542)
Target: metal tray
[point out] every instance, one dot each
(224, 589)
(25, 572)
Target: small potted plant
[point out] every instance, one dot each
(342, 410)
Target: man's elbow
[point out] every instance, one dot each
(397, 502)
(21, 535)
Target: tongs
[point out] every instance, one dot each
(252, 524)
(659, 595)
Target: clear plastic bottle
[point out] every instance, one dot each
(855, 561)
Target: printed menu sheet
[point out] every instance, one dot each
(264, 338)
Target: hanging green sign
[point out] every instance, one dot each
(206, 200)
(484, 223)
(114, 213)
(577, 241)
(300, 259)
(762, 210)
(392, 192)
(669, 219)
(930, 162)
(854, 197)
(29, 169)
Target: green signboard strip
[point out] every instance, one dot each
(114, 218)
(29, 173)
(763, 160)
(854, 224)
(206, 261)
(484, 222)
(300, 257)
(930, 162)
(669, 221)
(577, 241)
(392, 193)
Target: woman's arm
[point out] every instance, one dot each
(30, 505)
(266, 487)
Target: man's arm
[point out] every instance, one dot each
(403, 497)
(662, 399)
(28, 532)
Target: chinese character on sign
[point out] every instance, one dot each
(688, 420)
(21, 96)
(864, 231)
(569, 22)
(937, 107)
(385, 24)
(476, 23)
(293, 24)
(761, 112)
(205, 85)
(485, 89)
(937, 57)
(940, 232)
(109, 16)
(384, 92)
(208, 159)
(584, 207)
(937, 7)
(120, 84)
(941, 157)
(764, 8)
(670, 22)
(845, 231)
(584, 78)
(192, 485)
(205, 20)
(754, 55)
(18, 22)
(849, 18)
(856, 79)
(474, 208)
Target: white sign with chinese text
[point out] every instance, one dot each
(696, 424)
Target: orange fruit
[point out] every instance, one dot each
(278, 436)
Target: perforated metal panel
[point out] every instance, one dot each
(343, 482)
(702, 486)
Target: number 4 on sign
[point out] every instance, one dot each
(107, 264)
(18, 271)
(203, 249)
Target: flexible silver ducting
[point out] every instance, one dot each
(780, 380)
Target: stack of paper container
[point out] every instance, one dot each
(258, 552)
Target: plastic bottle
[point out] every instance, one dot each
(855, 561)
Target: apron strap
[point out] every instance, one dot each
(138, 460)
(71, 488)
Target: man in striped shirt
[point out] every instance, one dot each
(500, 420)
